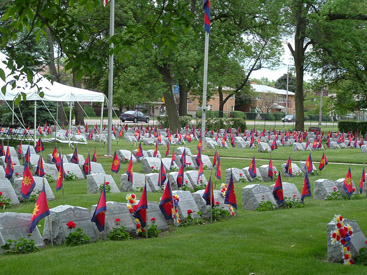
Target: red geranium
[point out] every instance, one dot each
(107, 183)
(152, 219)
(17, 174)
(189, 212)
(71, 224)
(133, 196)
(131, 210)
(1, 193)
(138, 225)
(217, 203)
(117, 220)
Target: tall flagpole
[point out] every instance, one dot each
(110, 79)
(206, 7)
(205, 87)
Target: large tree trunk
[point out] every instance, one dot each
(221, 101)
(173, 119)
(299, 57)
(78, 109)
(182, 107)
(53, 71)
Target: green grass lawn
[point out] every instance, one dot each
(287, 241)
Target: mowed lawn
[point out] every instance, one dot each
(288, 241)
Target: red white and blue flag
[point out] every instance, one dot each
(180, 176)
(288, 167)
(230, 195)
(271, 169)
(362, 180)
(306, 190)
(115, 163)
(278, 190)
(87, 165)
(94, 158)
(323, 162)
(40, 211)
(75, 157)
(348, 183)
(28, 183)
(308, 164)
(166, 203)
(139, 152)
(252, 168)
(208, 195)
(129, 171)
(40, 170)
(99, 216)
(141, 210)
(162, 176)
(206, 7)
(39, 146)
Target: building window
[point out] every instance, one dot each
(210, 107)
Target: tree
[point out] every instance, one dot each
(281, 82)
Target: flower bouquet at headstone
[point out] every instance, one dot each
(77, 237)
(118, 233)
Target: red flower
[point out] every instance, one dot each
(338, 225)
(117, 220)
(131, 210)
(152, 167)
(143, 230)
(71, 224)
(335, 188)
(338, 238)
(107, 183)
(1, 193)
(189, 212)
(333, 235)
(131, 201)
(1, 203)
(346, 256)
(341, 218)
(233, 213)
(342, 242)
(186, 181)
(275, 172)
(68, 172)
(353, 189)
(138, 225)
(217, 203)
(241, 174)
(133, 196)
(17, 174)
(350, 233)
(351, 261)
(294, 196)
(152, 219)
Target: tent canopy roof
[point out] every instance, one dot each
(52, 91)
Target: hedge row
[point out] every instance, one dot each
(354, 126)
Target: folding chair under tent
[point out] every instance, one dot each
(54, 92)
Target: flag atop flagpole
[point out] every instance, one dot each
(206, 7)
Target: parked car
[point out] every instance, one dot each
(288, 118)
(134, 116)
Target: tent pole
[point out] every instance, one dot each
(70, 109)
(12, 115)
(101, 124)
(35, 122)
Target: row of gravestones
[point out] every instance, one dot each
(14, 226)
(254, 194)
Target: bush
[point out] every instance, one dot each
(251, 115)
(184, 120)
(306, 117)
(345, 126)
(238, 122)
(21, 246)
(209, 114)
(362, 127)
(216, 114)
(237, 114)
(267, 116)
(278, 116)
(89, 110)
(163, 121)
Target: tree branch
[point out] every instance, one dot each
(341, 16)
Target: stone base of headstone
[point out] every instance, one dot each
(137, 185)
(186, 202)
(295, 170)
(357, 241)
(323, 188)
(340, 183)
(152, 180)
(38, 188)
(94, 181)
(7, 189)
(151, 164)
(253, 194)
(290, 191)
(60, 216)
(14, 226)
(238, 174)
(264, 173)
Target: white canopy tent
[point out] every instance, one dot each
(55, 92)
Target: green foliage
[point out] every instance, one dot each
(292, 202)
(25, 111)
(216, 114)
(278, 115)
(361, 259)
(153, 231)
(70, 176)
(237, 114)
(4, 201)
(334, 195)
(219, 214)
(21, 246)
(50, 179)
(345, 126)
(185, 120)
(119, 234)
(163, 121)
(108, 188)
(89, 110)
(265, 205)
(189, 220)
(267, 116)
(77, 238)
(251, 115)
